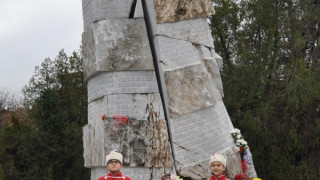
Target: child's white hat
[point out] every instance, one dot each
(114, 155)
(218, 158)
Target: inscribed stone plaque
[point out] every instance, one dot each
(121, 82)
(196, 31)
(176, 54)
(95, 10)
(208, 128)
(135, 105)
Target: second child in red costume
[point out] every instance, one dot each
(218, 166)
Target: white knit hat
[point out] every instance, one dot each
(114, 155)
(218, 158)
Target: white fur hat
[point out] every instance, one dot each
(114, 155)
(218, 158)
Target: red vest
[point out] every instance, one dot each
(111, 176)
(222, 177)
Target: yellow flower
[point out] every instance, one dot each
(178, 178)
(256, 179)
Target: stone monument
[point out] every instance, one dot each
(122, 80)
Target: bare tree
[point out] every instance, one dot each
(8, 100)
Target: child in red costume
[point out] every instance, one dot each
(218, 166)
(114, 164)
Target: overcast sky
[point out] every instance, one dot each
(32, 30)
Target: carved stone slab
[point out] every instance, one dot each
(177, 10)
(133, 105)
(94, 10)
(93, 135)
(121, 82)
(196, 31)
(92, 154)
(190, 89)
(116, 44)
(176, 54)
(208, 128)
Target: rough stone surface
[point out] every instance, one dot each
(233, 162)
(213, 70)
(190, 89)
(142, 143)
(116, 44)
(143, 140)
(121, 82)
(201, 170)
(177, 10)
(93, 139)
(196, 31)
(204, 52)
(94, 10)
(196, 171)
(219, 60)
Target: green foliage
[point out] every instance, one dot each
(51, 147)
(272, 83)
(1, 172)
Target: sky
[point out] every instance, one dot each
(32, 30)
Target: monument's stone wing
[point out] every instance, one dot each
(119, 68)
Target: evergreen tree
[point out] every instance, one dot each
(60, 110)
(272, 84)
(50, 147)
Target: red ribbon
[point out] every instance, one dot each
(123, 120)
(240, 176)
(244, 165)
